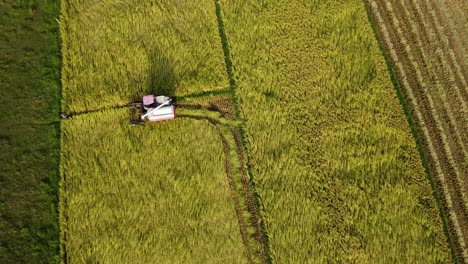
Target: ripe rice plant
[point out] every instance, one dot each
(335, 164)
(151, 194)
(114, 51)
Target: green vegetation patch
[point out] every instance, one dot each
(29, 105)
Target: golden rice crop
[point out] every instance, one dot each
(115, 51)
(335, 164)
(151, 194)
(336, 169)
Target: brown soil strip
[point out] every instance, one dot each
(221, 104)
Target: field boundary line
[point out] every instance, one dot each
(62, 198)
(370, 4)
(266, 256)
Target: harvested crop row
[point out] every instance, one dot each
(451, 106)
(114, 51)
(443, 55)
(403, 78)
(454, 13)
(431, 15)
(438, 108)
(218, 103)
(128, 194)
(416, 80)
(335, 165)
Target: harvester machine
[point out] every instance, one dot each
(152, 109)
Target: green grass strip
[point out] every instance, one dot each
(29, 140)
(414, 132)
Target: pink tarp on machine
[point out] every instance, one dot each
(148, 99)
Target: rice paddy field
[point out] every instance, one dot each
(335, 164)
(115, 51)
(291, 144)
(130, 197)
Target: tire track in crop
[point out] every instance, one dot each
(249, 195)
(240, 217)
(449, 124)
(228, 168)
(432, 142)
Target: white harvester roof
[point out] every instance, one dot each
(163, 113)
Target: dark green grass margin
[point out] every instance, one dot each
(235, 102)
(29, 131)
(414, 132)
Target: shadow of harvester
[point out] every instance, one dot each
(162, 79)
